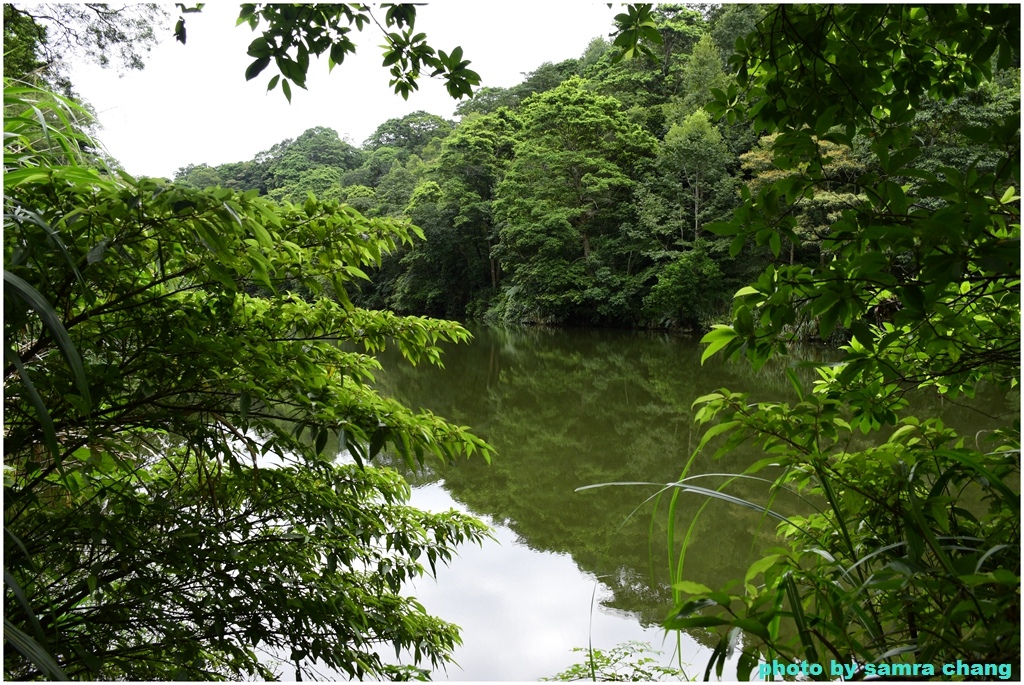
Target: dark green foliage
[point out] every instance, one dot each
(564, 205)
(691, 178)
(455, 267)
(376, 166)
(630, 233)
(914, 555)
(23, 40)
(731, 22)
(653, 78)
(689, 293)
(948, 130)
(695, 180)
(882, 202)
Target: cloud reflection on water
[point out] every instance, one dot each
(522, 611)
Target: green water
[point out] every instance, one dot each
(567, 409)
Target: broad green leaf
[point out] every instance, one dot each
(760, 566)
(257, 66)
(715, 431)
(691, 587)
(716, 339)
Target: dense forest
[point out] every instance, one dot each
(583, 195)
(187, 361)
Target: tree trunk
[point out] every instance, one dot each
(495, 267)
(696, 208)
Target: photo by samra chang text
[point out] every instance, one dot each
(848, 671)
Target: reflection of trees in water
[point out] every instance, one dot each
(569, 408)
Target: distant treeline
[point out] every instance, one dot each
(587, 194)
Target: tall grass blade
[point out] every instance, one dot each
(735, 500)
(31, 650)
(52, 322)
(19, 595)
(797, 609)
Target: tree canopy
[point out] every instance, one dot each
(922, 267)
(41, 39)
(574, 164)
(184, 375)
(411, 133)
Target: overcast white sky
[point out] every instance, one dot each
(192, 104)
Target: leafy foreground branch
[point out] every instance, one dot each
(914, 557)
(177, 363)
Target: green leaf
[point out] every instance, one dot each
(29, 612)
(753, 627)
(31, 650)
(714, 431)
(716, 339)
(760, 566)
(256, 67)
(680, 623)
(863, 334)
(377, 443)
(53, 324)
(259, 48)
(244, 403)
(691, 587)
(736, 246)
(97, 252)
(42, 413)
(692, 606)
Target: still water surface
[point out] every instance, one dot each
(568, 568)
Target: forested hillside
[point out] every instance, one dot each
(585, 195)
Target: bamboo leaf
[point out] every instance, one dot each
(52, 322)
(32, 651)
(43, 414)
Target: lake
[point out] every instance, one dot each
(567, 409)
